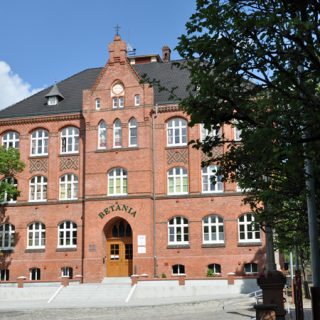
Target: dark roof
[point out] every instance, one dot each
(55, 92)
(71, 89)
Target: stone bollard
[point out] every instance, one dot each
(65, 281)
(182, 280)
(20, 280)
(231, 276)
(265, 311)
(134, 279)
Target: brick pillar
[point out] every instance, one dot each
(231, 276)
(65, 281)
(134, 279)
(20, 281)
(182, 280)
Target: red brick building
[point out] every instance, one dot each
(112, 188)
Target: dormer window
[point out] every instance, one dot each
(52, 101)
(54, 96)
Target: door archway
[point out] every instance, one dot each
(119, 248)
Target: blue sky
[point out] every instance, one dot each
(45, 41)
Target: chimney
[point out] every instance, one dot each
(166, 52)
(117, 50)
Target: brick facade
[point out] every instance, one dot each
(147, 207)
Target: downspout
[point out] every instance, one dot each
(154, 213)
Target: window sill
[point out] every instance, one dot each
(213, 245)
(184, 146)
(178, 246)
(6, 251)
(249, 244)
(69, 154)
(35, 250)
(66, 249)
(117, 149)
(38, 156)
(37, 201)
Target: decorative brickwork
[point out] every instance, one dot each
(67, 163)
(216, 152)
(38, 165)
(180, 155)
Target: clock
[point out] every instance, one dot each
(117, 88)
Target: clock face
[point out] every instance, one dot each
(117, 88)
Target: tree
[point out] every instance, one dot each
(256, 65)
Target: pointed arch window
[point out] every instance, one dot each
(102, 135)
(117, 134)
(133, 133)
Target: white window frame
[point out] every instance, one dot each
(68, 185)
(133, 128)
(247, 226)
(118, 175)
(214, 222)
(214, 269)
(39, 140)
(236, 132)
(137, 100)
(36, 236)
(69, 134)
(207, 186)
(13, 182)
(67, 272)
(208, 133)
(179, 267)
(7, 234)
(10, 140)
(37, 272)
(102, 135)
(177, 232)
(177, 130)
(38, 189)
(97, 103)
(117, 134)
(177, 176)
(53, 101)
(66, 234)
(118, 102)
(251, 265)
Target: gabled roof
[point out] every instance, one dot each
(55, 92)
(168, 75)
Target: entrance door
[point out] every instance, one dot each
(119, 250)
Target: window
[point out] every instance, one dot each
(177, 181)
(213, 231)
(52, 101)
(35, 274)
(36, 235)
(117, 134)
(215, 268)
(133, 133)
(10, 140)
(13, 184)
(102, 135)
(117, 102)
(236, 131)
(137, 100)
(68, 187)
(178, 269)
(97, 103)
(250, 268)
(118, 182)
(4, 275)
(67, 272)
(208, 133)
(39, 142)
(7, 236)
(248, 230)
(67, 235)
(177, 132)
(211, 182)
(178, 231)
(70, 140)
(38, 189)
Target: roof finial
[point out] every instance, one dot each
(117, 27)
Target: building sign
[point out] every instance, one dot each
(117, 207)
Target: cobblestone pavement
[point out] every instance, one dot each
(211, 310)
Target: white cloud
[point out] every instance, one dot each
(12, 87)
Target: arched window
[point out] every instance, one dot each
(118, 182)
(248, 230)
(39, 142)
(38, 189)
(212, 132)
(7, 236)
(102, 135)
(70, 140)
(133, 133)
(211, 182)
(121, 229)
(214, 268)
(177, 181)
(67, 272)
(36, 235)
(213, 231)
(178, 269)
(178, 231)
(67, 235)
(117, 134)
(35, 274)
(10, 140)
(13, 184)
(177, 132)
(250, 268)
(68, 187)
